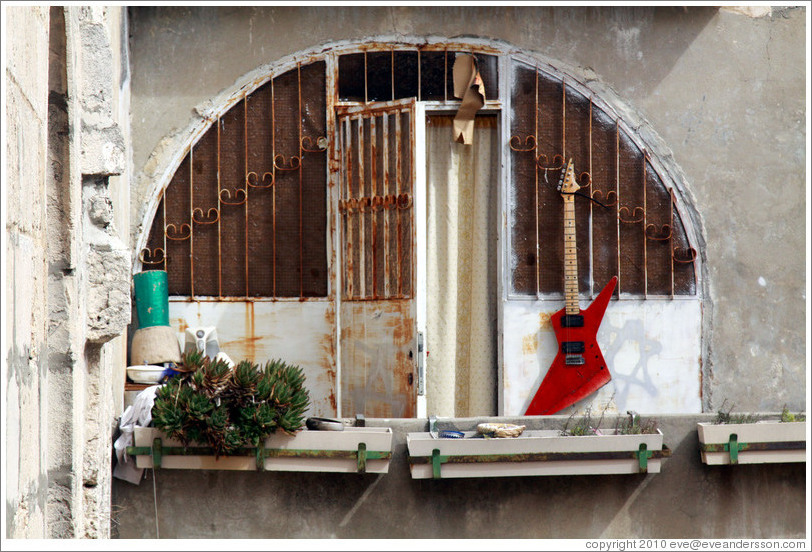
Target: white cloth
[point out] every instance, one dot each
(139, 414)
(462, 223)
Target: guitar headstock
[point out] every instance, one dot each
(567, 183)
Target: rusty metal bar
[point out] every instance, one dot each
(563, 119)
(245, 163)
(219, 224)
(273, 190)
(386, 204)
(362, 222)
(373, 189)
(366, 94)
(536, 175)
(665, 452)
(163, 208)
(645, 241)
(591, 241)
(419, 75)
(398, 177)
(301, 159)
(671, 239)
(617, 196)
(191, 220)
(349, 193)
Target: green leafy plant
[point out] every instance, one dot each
(230, 408)
(787, 416)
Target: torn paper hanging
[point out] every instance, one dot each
(468, 86)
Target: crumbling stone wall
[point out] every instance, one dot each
(67, 270)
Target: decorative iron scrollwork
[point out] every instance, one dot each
(313, 146)
(598, 195)
(254, 182)
(236, 193)
(176, 231)
(294, 163)
(629, 218)
(681, 255)
(147, 253)
(529, 141)
(216, 216)
(543, 162)
(663, 234)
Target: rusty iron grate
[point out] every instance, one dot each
(245, 214)
(376, 201)
(637, 234)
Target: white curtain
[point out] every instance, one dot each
(461, 324)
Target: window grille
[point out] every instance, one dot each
(245, 214)
(636, 233)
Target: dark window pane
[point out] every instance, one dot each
(351, 77)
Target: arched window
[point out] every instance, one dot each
(338, 171)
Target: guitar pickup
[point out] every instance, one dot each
(568, 347)
(572, 321)
(574, 360)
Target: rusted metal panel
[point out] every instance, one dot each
(652, 349)
(378, 352)
(300, 333)
(378, 320)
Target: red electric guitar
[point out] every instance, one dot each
(579, 368)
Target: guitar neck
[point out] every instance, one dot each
(570, 258)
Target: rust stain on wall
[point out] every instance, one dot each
(544, 321)
(530, 344)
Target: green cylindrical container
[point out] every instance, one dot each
(151, 298)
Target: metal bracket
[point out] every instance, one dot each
(733, 447)
(643, 454)
(362, 457)
(436, 462)
(261, 458)
(157, 452)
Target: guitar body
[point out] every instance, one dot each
(578, 368)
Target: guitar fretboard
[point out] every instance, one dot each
(570, 258)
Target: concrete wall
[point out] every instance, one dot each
(67, 272)
(26, 285)
(708, 82)
(705, 80)
(687, 499)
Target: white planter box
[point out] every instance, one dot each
(311, 451)
(535, 452)
(756, 443)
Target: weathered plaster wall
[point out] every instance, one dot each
(687, 499)
(705, 80)
(26, 285)
(67, 288)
